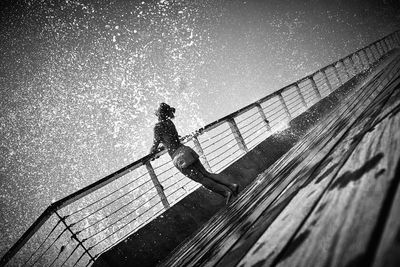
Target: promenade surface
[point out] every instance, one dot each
(331, 200)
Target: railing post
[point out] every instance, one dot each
(337, 73)
(382, 42)
(201, 152)
(157, 185)
(381, 50)
(315, 87)
(345, 69)
(373, 53)
(353, 65)
(391, 42)
(360, 65)
(74, 235)
(285, 107)
(377, 53)
(326, 80)
(370, 57)
(303, 100)
(396, 38)
(367, 58)
(238, 136)
(386, 45)
(393, 38)
(382, 47)
(360, 56)
(373, 57)
(263, 117)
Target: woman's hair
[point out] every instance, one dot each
(165, 111)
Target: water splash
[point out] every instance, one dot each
(82, 79)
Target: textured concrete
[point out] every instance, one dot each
(331, 200)
(152, 243)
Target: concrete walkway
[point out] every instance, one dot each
(332, 200)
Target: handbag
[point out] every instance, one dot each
(184, 156)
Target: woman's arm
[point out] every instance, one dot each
(156, 140)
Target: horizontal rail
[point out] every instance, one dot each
(244, 109)
(110, 218)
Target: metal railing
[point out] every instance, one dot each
(75, 230)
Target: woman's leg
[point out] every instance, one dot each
(219, 178)
(196, 175)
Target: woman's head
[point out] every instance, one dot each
(165, 111)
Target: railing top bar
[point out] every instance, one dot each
(70, 199)
(232, 115)
(280, 91)
(226, 118)
(102, 182)
(343, 58)
(28, 234)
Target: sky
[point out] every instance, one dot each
(80, 80)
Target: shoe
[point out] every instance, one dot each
(228, 198)
(235, 189)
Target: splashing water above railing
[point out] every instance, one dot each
(75, 230)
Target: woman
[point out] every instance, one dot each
(184, 158)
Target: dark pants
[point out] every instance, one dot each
(214, 182)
